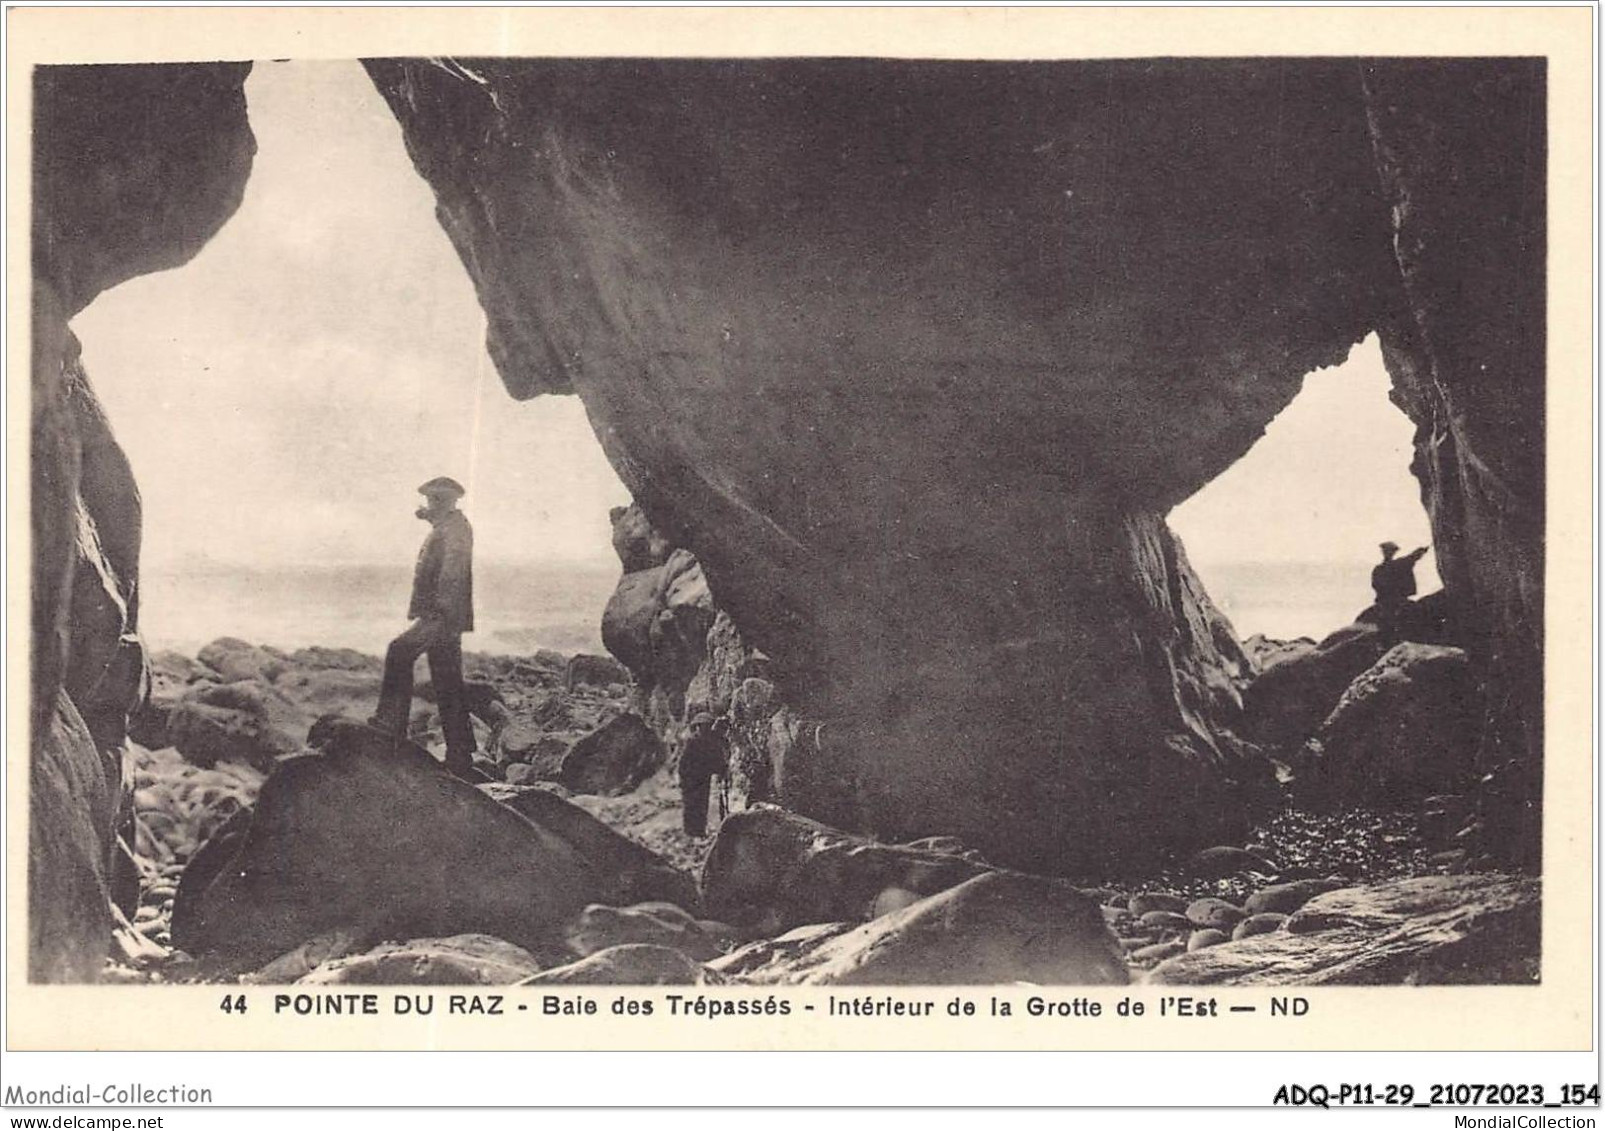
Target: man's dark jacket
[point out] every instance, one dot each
(443, 584)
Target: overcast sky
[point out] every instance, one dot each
(1329, 480)
(283, 394)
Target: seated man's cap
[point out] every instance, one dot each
(443, 485)
(1394, 546)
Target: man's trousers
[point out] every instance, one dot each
(445, 651)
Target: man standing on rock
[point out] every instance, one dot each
(442, 609)
(1394, 581)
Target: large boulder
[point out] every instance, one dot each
(1433, 930)
(353, 692)
(638, 545)
(614, 758)
(536, 751)
(995, 928)
(1265, 653)
(771, 870)
(371, 833)
(657, 622)
(234, 659)
(246, 721)
(1287, 701)
(1405, 729)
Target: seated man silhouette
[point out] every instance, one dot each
(1394, 582)
(442, 609)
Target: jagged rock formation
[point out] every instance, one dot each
(1461, 147)
(134, 169)
(913, 357)
(915, 379)
(686, 655)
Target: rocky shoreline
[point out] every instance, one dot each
(580, 791)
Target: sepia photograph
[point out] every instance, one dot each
(753, 522)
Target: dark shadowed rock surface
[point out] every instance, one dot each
(86, 528)
(372, 833)
(134, 168)
(994, 928)
(1404, 730)
(1030, 641)
(1287, 702)
(1469, 368)
(772, 868)
(73, 796)
(1433, 930)
(629, 873)
(613, 759)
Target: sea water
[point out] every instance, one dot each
(1286, 600)
(517, 609)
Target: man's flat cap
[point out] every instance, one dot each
(443, 485)
(1386, 546)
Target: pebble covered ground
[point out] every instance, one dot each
(177, 806)
(1355, 846)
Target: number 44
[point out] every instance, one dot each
(232, 1003)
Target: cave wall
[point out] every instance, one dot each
(134, 168)
(913, 356)
(1461, 149)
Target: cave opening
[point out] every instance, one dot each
(1284, 540)
(282, 394)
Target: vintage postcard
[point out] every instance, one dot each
(808, 529)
